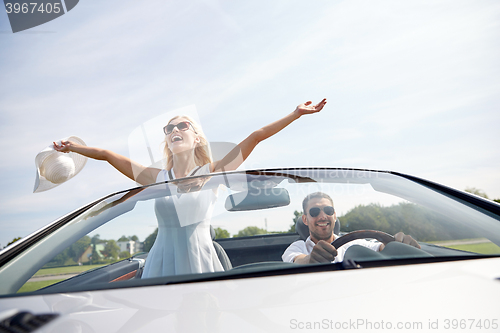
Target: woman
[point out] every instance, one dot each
(183, 244)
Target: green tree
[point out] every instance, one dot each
(13, 241)
(76, 249)
(124, 254)
(250, 231)
(480, 193)
(150, 240)
(134, 238)
(123, 239)
(70, 255)
(221, 233)
(296, 215)
(111, 250)
(96, 239)
(421, 223)
(476, 191)
(58, 260)
(366, 217)
(95, 257)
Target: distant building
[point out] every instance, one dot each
(130, 246)
(85, 257)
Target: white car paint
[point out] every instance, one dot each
(408, 298)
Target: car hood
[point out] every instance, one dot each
(428, 294)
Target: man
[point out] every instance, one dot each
(319, 216)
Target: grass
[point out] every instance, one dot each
(65, 270)
(476, 240)
(482, 248)
(32, 286)
(35, 285)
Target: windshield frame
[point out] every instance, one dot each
(479, 204)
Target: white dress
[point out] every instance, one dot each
(183, 244)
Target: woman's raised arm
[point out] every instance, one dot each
(240, 153)
(125, 165)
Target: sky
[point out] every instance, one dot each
(412, 86)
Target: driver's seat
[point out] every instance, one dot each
(303, 230)
(221, 253)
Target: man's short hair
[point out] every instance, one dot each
(314, 195)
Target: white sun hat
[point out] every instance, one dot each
(54, 168)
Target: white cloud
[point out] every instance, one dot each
(403, 80)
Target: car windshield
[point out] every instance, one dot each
(227, 224)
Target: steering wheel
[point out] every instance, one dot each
(378, 235)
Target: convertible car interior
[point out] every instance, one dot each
(371, 204)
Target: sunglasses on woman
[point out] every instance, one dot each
(182, 126)
(316, 210)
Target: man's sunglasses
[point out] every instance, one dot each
(182, 126)
(316, 210)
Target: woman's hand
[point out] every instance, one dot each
(240, 153)
(64, 147)
(125, 165)
(307, 108)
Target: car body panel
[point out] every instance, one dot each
(420, 293)
(260, 292)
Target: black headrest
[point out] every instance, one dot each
(303, 230)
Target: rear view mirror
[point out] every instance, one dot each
(257, 199)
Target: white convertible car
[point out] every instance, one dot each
(66, 277)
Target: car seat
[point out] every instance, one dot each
(221, 253)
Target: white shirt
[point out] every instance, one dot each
(305, 247)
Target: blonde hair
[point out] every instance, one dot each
(201, 151)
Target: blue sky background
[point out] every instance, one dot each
(412, 86)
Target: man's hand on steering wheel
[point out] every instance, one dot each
(382, 237)
(407, 239)
(322, 252)
(402, 238)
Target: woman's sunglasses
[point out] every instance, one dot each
(182, 126)
(316, 210)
